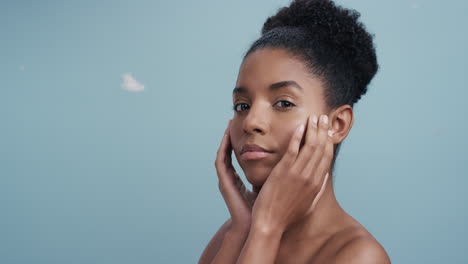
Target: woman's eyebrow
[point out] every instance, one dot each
(272, 87)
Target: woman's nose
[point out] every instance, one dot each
(255, 121)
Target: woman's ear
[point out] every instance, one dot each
(341, 122)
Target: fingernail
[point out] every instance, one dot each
(314, 120)
(301, 129)
(324, 119)
(330, 133)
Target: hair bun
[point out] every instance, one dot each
(335, 25)
(313, 15)
(330, 40)
(337, 28)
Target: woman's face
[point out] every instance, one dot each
(266, 112)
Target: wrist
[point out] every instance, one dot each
(237, 234)
(239, 229)
(265, 230)
(261, 246)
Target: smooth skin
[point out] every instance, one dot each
(292, 215)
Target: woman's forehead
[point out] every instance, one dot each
(264, 68)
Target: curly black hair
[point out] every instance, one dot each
(331, 43)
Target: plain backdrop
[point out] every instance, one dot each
(93, 173)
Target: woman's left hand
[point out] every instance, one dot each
(297, 182)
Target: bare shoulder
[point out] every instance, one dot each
(214, 244)
(359, 246)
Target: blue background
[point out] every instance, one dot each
(92, 173)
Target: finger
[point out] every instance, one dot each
(228, 153)
(293, 149)
(310, 170)
(221, 156)
(325, 162)
(323, 142)
(305, 155)
(229, 182)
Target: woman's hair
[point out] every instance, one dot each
(333, 45)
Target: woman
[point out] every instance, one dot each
(292, 105)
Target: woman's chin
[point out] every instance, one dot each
(257, 176)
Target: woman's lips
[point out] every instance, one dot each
(254, 155)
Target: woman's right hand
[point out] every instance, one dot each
(238, 198)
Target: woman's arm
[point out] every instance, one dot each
(225, 246)
(261, 246)
(215, 244)
(231, 248)
(239, 201)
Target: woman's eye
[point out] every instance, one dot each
(236, 108)
(242, 106)
(286, 103)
